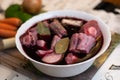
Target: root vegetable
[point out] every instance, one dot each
(7, 33)
(12, 21)
(7, 26)
(32, 6)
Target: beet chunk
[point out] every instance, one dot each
(74, 42)
(52, 58)
(71, 58)
(54, 41)
(30, 38)
(85, 43)
(42, 53)
(41, 44)
(58, 28)
(92, 28)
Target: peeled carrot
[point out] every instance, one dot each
(7, 33)
(12, 21)
(7, 26)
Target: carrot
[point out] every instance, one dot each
(12, 21)
(7, 33)
(7, 26)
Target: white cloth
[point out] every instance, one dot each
(112, 20)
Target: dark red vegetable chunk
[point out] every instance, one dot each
(42, 53)
(85, 43)
(41, 44)
(30, 38)
(52, 58)
(54, 41)
(58, 28)
(70, 58)
(92, 28)
(74, 42)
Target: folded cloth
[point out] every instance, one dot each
(111, 19)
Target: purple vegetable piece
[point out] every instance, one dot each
(52, 58)
(71, 58)
(54, 41)
(33, 37)
(42, 53)
(92, 28)
(26, 40)
(58, 28)
(85, 43)
(30, 38)
(41, 44)
(73, 42)
(46, 23)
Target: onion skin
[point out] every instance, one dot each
(32, 6)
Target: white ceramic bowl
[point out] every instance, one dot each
(64, 70)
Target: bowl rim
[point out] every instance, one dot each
(51, 14)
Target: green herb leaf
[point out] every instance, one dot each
(42, 29)
(62, 46)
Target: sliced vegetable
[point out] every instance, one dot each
(42, 29)
(85, 43)
(52, 58)
(62, 45)
(94, 50)
(74, 42)
(42, 53)
(54, 41)
(57, 27)
(92, 28)
(71, 58)
(41, 44)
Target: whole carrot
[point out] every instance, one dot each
(7, 33)
(12, 21)
(7, 26)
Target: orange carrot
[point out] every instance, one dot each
(12, 21)
(7, 26)
(7, 33)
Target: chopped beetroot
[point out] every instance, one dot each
(26, 40)
(71, 58)
(46, 23)
(85, 43)
(52, 58)
(33, 37)
(73, 42)
(58, 28)
(92, 28)
(41, 44)
(54, 41)
(42, 53)
(29, 39)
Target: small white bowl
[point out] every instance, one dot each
(64, 70)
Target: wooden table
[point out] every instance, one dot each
(14, 60)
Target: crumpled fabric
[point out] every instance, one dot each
(112, 20)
